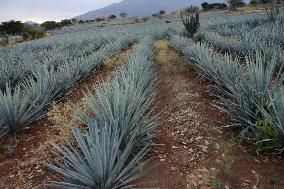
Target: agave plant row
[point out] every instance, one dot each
(252, 96)
(111, 154)
(20, 61)
(27, 93)
(246, 34)
(27, 102)
(246, 45)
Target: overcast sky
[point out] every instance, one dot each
(42, 10)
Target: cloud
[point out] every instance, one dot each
(42, 10)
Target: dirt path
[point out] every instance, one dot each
(23, 168)
(194, 151)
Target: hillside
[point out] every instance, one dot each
(141, 7)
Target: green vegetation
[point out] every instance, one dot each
(199, 37)
(273, 15)
(110, 17)
(162, 12)
(34, 33)
(120, 136)
(12, 27)
(50, 25)
(191, 24)
(155, 15)
(17, 28)
(145, 19)
(190, 10)
(210, 6)
(234, 4)
(164, 53)
(123, 15)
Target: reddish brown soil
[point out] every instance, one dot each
(194, 151)
(24, 168)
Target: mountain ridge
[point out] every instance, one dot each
(142, 7)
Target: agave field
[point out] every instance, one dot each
(239, 63)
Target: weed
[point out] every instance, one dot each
(274, 181)
(227, 163)
(115, 60)
(218, 184)
(164, 53)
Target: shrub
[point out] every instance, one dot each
(145, 19)
(155, 15)
(136, 20)
(206, 6)
(191, 24)
(123, 15)
(111, 17)
(33, 32)
(199, 37)
(50, 25)
(253, 2)
(162, 12)
(4, 41)
(81, 21)
(234, 4)
(65, 22)
(100, 19)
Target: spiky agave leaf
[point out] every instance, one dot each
(127, 99)
(249, 93)
(16, 110)
(274, 115)
(99, 161)
(3, 130)
(43, 87)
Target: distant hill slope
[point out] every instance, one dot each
(142, 7)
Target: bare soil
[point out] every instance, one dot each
(193, 150)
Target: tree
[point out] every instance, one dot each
(111, 17)
(145, 19)
(73, 20)
(265, 1)
(81, 21)
(271, 1)
(210, 6)
(234, 4)
(162, 12)
(50, 25)
(65, 22)
(12, 27)
(155, 15)
(253, 2)
(204, 5)
(99, 19)
(123, 15)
